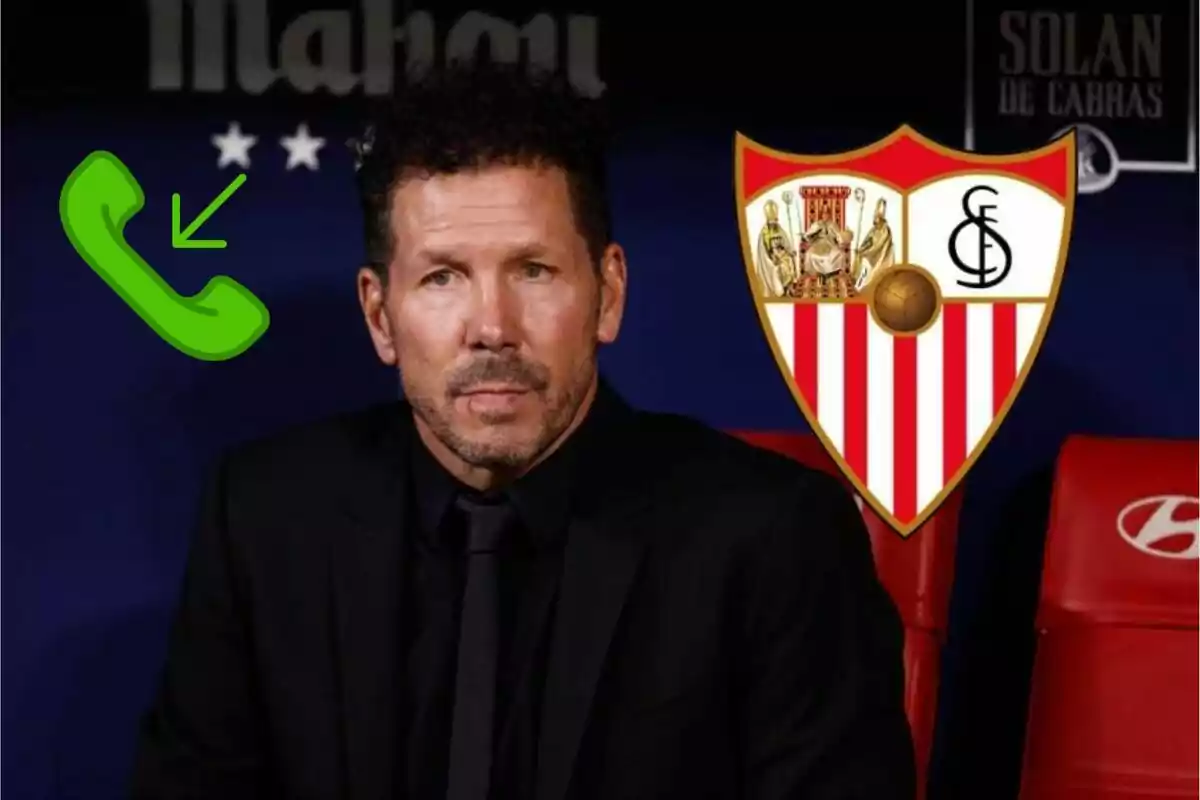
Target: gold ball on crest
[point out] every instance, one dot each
(904, 299)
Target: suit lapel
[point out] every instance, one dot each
(367, 568)
(598, 570)
(604, 548)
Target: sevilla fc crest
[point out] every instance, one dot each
(905, 289)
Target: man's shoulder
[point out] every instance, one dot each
(733, 492)
(688, 451)
(319, 447)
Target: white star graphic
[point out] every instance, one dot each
(302, 148)
(234, 146)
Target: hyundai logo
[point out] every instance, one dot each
(1166, 525)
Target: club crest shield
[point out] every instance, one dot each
(905, 288)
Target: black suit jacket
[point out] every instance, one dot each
(720, 632)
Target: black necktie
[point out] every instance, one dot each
(471, 737)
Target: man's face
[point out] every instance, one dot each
(493, 311)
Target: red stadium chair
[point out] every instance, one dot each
(1116, 686)
(918, 573)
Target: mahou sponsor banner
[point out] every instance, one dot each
(362, 48)
(1124, 77)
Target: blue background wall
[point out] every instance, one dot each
(107, 429)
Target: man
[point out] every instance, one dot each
(825, 254)
(876, 249)
(513, 585)
(776, 262)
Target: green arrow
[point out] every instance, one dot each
(183, 240)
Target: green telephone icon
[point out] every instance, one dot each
(220, 322)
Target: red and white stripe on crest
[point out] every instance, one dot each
(905, 412)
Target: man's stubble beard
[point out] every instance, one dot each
(561, 409)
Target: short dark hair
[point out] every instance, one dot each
(471, 115)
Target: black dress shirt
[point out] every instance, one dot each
(530, 570)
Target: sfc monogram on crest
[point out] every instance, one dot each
(905, 288)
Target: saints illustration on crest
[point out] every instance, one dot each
(822, 259)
